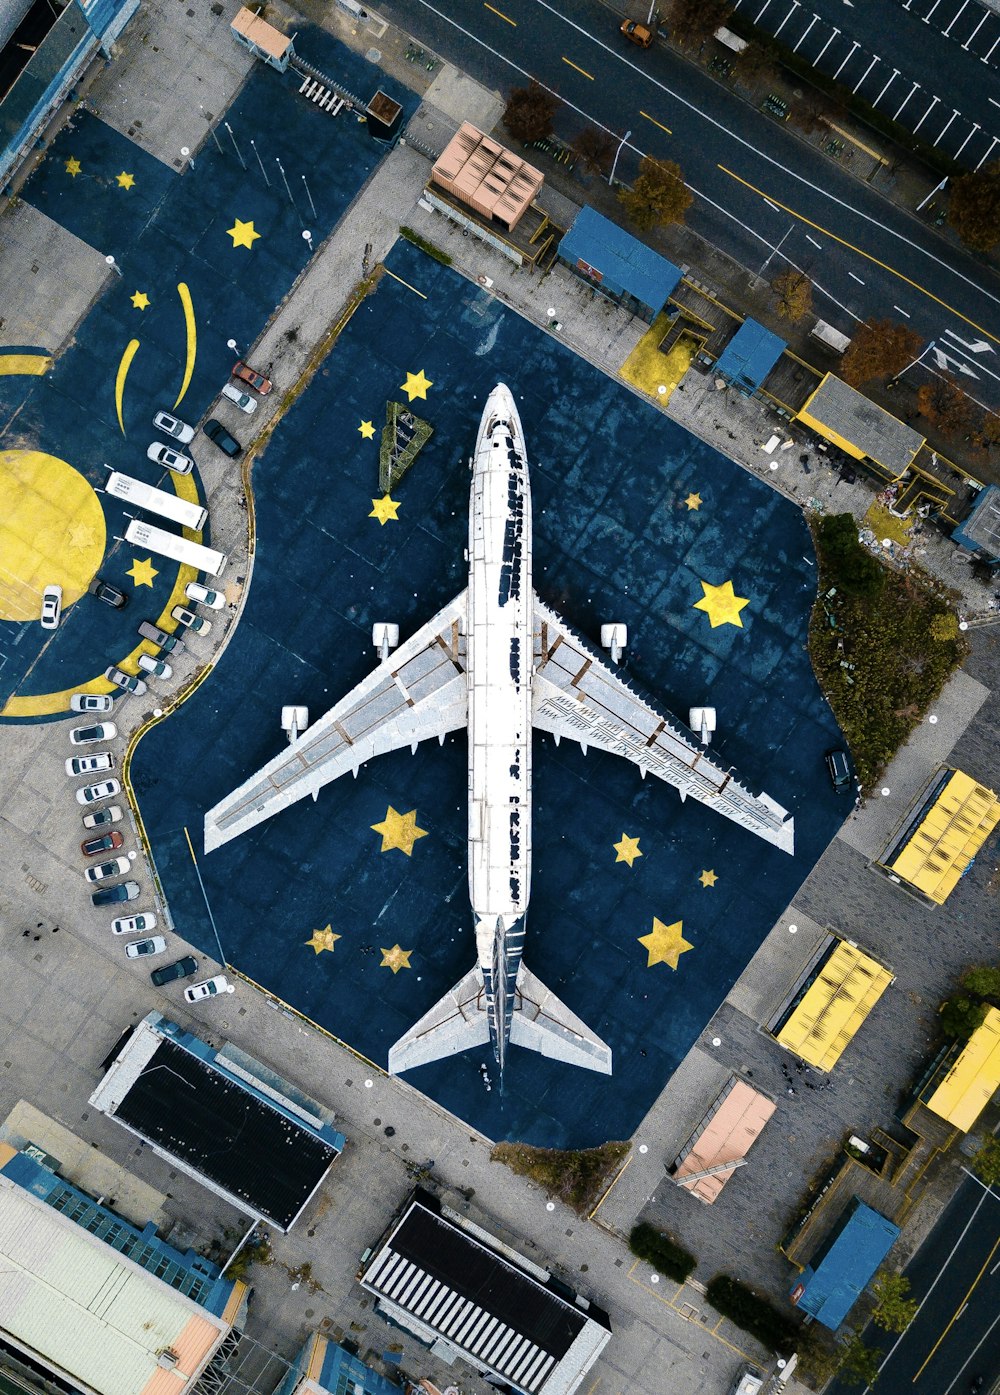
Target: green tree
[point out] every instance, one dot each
(594, 148)
(894, 1308)
(794, 292)
(974, 207)
(879, 349)
(530, 112)
(961, 1016)
(859, 1364)
(854, 568)
(984, 981)
(986, 1161)
(819, 1356)
(659, 196)
(691, 21)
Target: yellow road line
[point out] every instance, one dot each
(792, 213)
(131, 348)
(190, 848)
(656, 123)
(672, 1304)
(955, 1316)
(192, 339)
(500, 14)
(404, 283)
(579, 70)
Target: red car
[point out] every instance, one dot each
(90, 847)
(243, 373)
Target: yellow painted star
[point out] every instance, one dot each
(323, 939)
(81, 535)
(627, 849)
(385, 509)
(665, 944)
(125, 181)
(141, 300)
(693, 501)
(399, 831)
(708, 878)
(395, 959)
(367, 430)
(416, 385)
(243, 234)
(73, 167)
(142, 573)
(721, 604)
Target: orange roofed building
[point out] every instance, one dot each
(486, 177)
(725, 1136)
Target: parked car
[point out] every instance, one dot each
(197, 624)
(126, 681)
(90, 765)
(139, 924)
(111, 895)
(156, 668)
(51, 607)
(104, 789)
(114, 868)
(100, 731)
(243, 400)
(140, 949)
(171, 459)
(107, 842)
(208, 988)
(100, 818)
(838, 767)
(173, 426)
(91, 702)
(243, 373)
(163, 638)
(201, 595)
(107, 593)
(637, 33)
(215, 431)
(181, 968)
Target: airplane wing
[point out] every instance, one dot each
(577, 694)
(418, 692)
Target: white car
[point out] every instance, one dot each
(51, 607)
(138, 949)
(208, 988)
(201, 595)
(173, 426)
(175, 460)
(197, 624)
(134, 924)
(112, 868)
(243, 400)
(100, 818)
(156, 668)
(100, 731)
(90, 794)
(90, 765)
(91, 702)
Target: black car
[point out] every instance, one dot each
(107, 593)
(184, 968)
(215, 431)
(111, 895)
(838, 767)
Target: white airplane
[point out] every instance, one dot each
(499, 661)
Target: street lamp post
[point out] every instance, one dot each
(113, 264)
(912, 364)
(614, 166)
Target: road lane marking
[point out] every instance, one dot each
(959, 1310)
(855, 278)
(569, 63)
(656, 123)
(817, 245)
(901, 311)
(500, 14)
(772, 205)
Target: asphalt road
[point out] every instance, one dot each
(763, 196)
(955, 1277)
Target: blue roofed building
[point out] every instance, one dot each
(980, 530)
(749, 357)
(618, 265)
(844, 1264)
(324, 1368)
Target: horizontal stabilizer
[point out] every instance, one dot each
(543, 1023)
(457, 1022)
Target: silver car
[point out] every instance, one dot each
(173, 426)
(114, 868)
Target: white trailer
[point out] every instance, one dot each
(830, 337)
(203, 559)
(160, 501)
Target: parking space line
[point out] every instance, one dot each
(656, 123)
(955, 18)
(816, 244)
(975, 127)
(806, 34)
(871, 65)
(825, 47)
(795, 6)
(927, 18)
(989, 152)
(990, 54)
(976, 31)
(854, 48)
(855, 278)
(943, 133)
(899, 310)
(570, 64)
(905, 100)
(387, 272)
(934, 102)
(762, 9)
(895, 75)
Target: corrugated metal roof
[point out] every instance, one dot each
(749, 356)
(948, 837)
(974, 1078)
(727, 1135)
(849, 1259)
(834, 1006)
(852, 421)
(982, 527)
(617, 261)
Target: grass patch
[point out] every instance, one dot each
(579, 1179)
(754, 1315)
(425, 246)
(664, 1254)
(882, 644)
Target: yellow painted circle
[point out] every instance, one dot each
(52, 531)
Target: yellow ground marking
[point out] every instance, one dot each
(673, 1304)
(807, 222)
(395, 958)
(387, 272)
(399, 831)
(32, 365)
(243, 234)
(416, 385)
(721, 604)
(708, 877)
(609, 1188)
(886, 525)
(958, 1311)
(50, 704)
(860, 144)
(386, 510)
(323, 939)
(627, 849)
(125, 180)
(191, 332)
(500, 14)
(649, 370)
(656, 123)
(693, 502)
(131, 349)
(140, 300)
(664, 944)
(583, 71)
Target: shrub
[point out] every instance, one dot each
(661, 1252)
(577, 1178)
(961, 1016)
(755, 1315)
(425, 246)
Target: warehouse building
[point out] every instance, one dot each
(828, 1002)
(844, 1265)
(617, 265)
(941, 835)
(967, 1076)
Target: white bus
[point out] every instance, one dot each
(203, 559)
(160, 501)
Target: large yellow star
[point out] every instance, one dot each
(395, 959)
(81, 535)
(385, 509)
(141, 300)
(125, 181)
(693, 501)
(708, 878)
(243, 234)
(73, 167)
(416, 385)
(323, 939)
(367, 430)
(627, 849)
(665, 944)
(399, 831)
(721, 604)
(142, 573)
